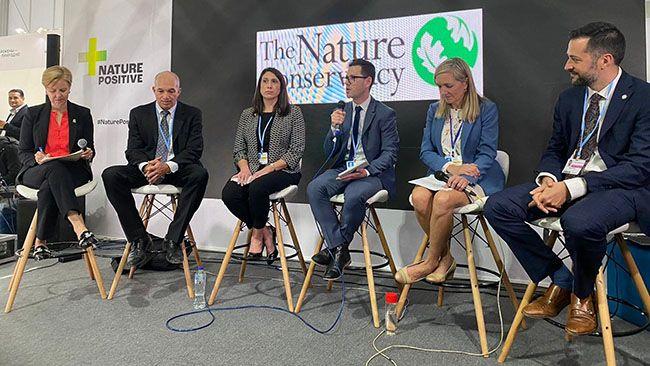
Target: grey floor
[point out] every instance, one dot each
(59, 319)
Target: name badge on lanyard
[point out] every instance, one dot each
(262, 156)
(355, 145)
(576, 164)
(453, 139)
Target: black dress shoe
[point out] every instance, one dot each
(174, 253)
(140, 252)
(322, 258)
(42, 252)
(341, 259)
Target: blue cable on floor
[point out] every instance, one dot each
(210, 310)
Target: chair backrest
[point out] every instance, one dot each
(504, 161)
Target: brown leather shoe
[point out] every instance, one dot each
(581, 322)
(550, 304)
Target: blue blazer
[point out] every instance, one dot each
(479, 146)
(379, 139)
(624, 143)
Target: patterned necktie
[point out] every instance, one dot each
(591, 123)
(163, 136)
(355, 132)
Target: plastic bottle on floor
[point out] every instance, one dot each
(391, 313)
(199, 288)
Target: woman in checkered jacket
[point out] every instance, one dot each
(269, 144)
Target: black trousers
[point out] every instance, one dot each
(55, 181)
(250, 203)
(119, 180)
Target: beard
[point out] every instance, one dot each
(583, 80)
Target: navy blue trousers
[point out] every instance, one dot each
(585, 222)
(357, 192)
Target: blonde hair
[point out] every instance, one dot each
(470, 108)
(55, 73)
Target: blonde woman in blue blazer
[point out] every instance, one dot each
(460, 138)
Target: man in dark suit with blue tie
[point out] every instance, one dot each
(594, 175)
(365, 129)
(11, 126)
(165, 145)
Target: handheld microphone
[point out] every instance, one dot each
(82, 143)
(340, 106)
(444, 177)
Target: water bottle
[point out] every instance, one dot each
(391, 312)
(199, 288)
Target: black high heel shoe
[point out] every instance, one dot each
(255, 257)
(271, 257)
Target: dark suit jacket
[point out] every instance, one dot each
(379, 139)
(624, 143)
(35, 127)
(13, 127)
(187, 135)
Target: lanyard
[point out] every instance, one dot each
(260, 133)
(584, 139)
(167, 139)
(454, 138)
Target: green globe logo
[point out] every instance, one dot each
(439, 39)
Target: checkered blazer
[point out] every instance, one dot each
(287, 140)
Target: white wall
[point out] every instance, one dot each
(33, 14)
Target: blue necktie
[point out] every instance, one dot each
(355, 132)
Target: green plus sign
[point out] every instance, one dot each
(92, 56)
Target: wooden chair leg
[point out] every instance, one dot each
(242, 266)
(605, 321)
(441, 296)
(186, 272)
(369, 274)
(195, 250)
(88, 266)
(283, 257)
(294, 236)
(519, 315)
(384, 242)
(307, 281)
(97, 274)
(330, 283)
(405, 290)
(634, 273)
(120, 268)
(22, 262)
(224, 263)
(11, 280)
(499, 263)
(476, 294)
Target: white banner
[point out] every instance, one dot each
(114, 49)
(405, 52)
(22, 61)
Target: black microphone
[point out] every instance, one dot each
(82, 143)
(340, 106)
(444, 177)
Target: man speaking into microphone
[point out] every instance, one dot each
(165, 145)
(363, 139)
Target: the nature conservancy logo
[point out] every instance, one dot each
(439, 39)
(108, 74)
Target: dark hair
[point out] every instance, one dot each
(367, 68)
(19, 91)
(603, 38)
(282, 106)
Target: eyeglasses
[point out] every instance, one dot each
(351, 78)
